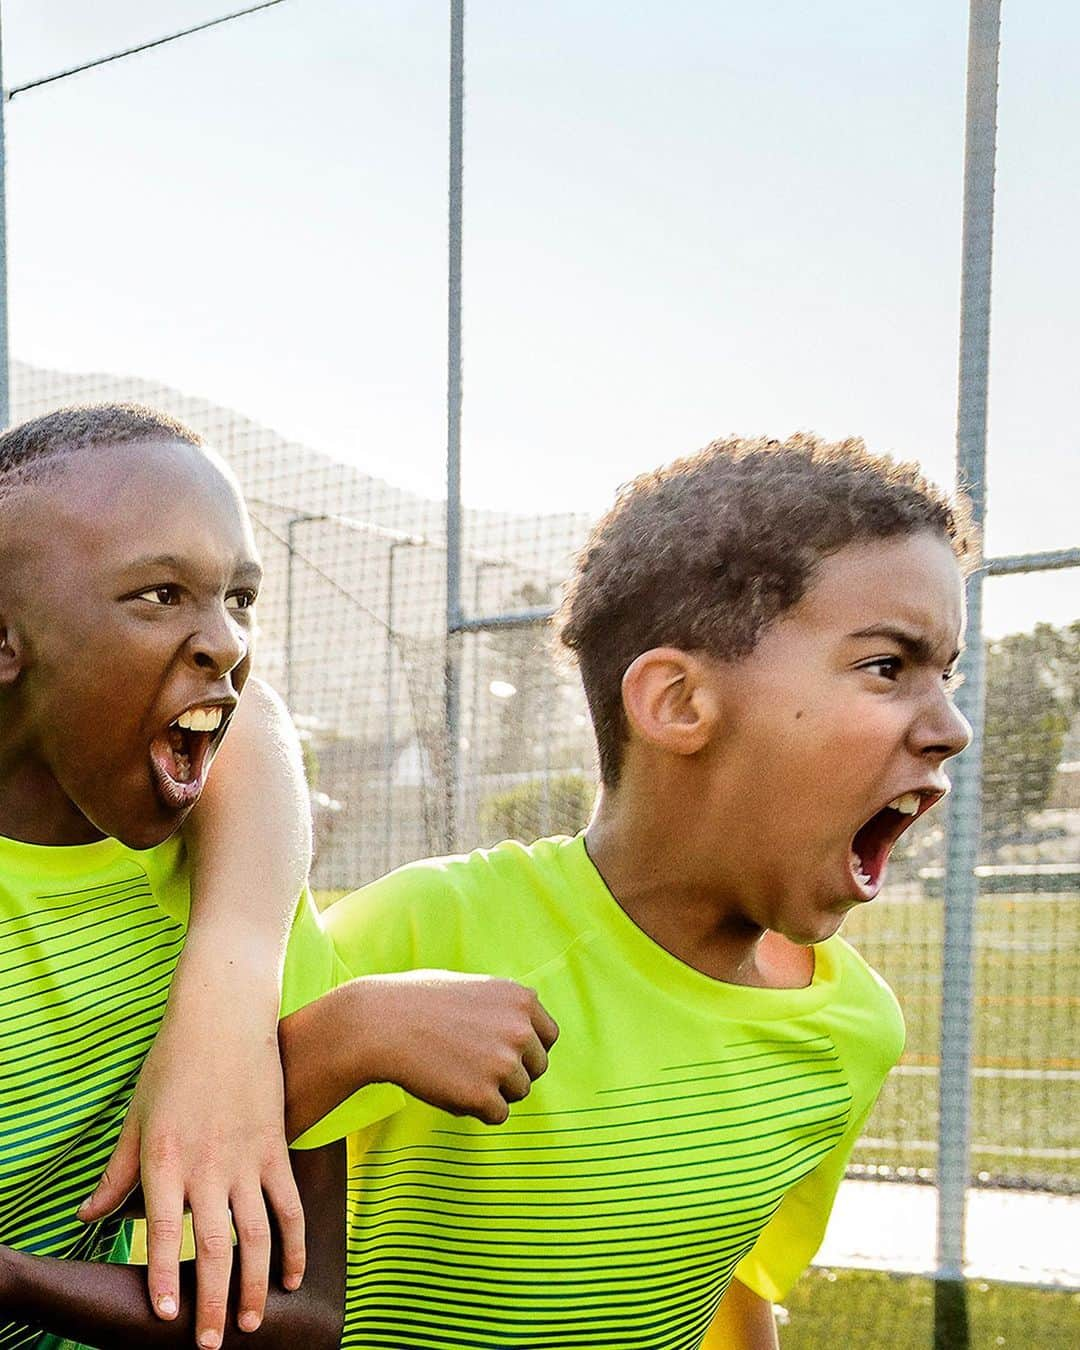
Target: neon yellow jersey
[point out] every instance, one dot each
(89, 937)
(686, 1131)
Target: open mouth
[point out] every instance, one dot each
(876, 839)
(180, 755)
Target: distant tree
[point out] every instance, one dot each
(532, 809)
(1032, 695)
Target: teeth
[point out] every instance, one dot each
(200, 719)
(908, 804)
(856, 869)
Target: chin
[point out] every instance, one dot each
(809, 934)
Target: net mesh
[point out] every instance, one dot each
(352, 633)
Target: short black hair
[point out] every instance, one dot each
(705, 553)
(33, 448)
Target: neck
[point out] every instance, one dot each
(670, 883)
(34, 809)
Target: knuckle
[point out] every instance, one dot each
(215, 1245)
(496, 1112)
(507, 1061)
(163, 1230)
(272, 1149)
(253, 1232)
(160, 1150)
(291, 1221)
(277, 1173)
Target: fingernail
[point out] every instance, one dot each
(292, 1281)
(167, 1305)
(248, 1321)
(209, 1340)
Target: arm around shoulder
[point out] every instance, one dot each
(249, 841)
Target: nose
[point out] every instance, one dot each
(220, 644)
(942, 730)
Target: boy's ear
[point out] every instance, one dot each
(10, 656)
(671, 701)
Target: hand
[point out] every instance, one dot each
(206, 1127)
(468, 1044)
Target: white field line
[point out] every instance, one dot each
(995, 1150)
(1030, 1075)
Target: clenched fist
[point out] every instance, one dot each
(468, 1044)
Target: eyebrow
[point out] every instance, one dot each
(247, 572)
(915, 647)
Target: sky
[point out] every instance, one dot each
(681, 220)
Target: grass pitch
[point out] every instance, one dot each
(865, 1310)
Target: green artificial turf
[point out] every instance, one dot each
(866, 1310)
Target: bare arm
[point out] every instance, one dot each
(107, 1306)
(743, 1321)
(208, 1129)
(466, 1043)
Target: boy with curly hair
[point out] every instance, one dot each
(767, 633)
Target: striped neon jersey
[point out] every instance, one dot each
(89, 937)
(687, 1129)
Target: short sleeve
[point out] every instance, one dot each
(313, 968)
(789, 1241)
(410, 919)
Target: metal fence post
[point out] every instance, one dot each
(961, 888)
(452, 665)
(390, 743)
(290, 585)
(5, 365)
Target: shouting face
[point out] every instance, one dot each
(127, 608)
(838, 726)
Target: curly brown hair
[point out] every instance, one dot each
(35, 447)
(704, 553)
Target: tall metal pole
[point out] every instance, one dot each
(389, 744)
(5, 365)
(961, 887)
(290, 583)
(301, 518)
(452, 686)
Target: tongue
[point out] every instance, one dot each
(180, 768)
(178, 757)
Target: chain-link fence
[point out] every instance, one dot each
(352, 632)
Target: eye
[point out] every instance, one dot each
(887, 667)
(160, 595)
(241, 599)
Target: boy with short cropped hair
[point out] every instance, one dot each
(128, 575)
(767, 634)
